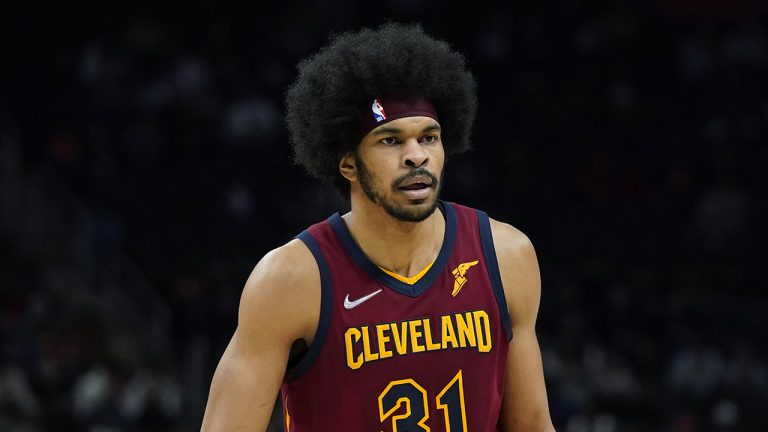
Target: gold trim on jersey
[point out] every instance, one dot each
(409, 280)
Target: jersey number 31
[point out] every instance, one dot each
(409, 393)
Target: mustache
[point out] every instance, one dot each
(415, 173)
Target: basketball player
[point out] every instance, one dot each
(408, 313)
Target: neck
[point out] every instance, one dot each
(404, 248)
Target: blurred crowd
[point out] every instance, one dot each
(145, 169)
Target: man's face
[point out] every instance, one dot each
(399, 167)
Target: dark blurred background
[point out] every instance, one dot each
(145, 169)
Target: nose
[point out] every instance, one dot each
(414, 155)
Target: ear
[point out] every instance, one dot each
(347, 167)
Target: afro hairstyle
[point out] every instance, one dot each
(335, 87)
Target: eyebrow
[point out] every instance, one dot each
(384, 130)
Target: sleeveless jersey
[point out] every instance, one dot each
(392, 357)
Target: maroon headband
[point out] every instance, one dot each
(384, 110)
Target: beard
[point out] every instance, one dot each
(402, 213)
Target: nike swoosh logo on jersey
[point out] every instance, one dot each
(353, 304)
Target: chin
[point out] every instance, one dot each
(415, 211)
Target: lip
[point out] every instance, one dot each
(417, 194)
(417, 179)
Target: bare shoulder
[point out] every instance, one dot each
(519, 270)
(279, 304)
(283, 290)
(289, 267)
(510, 242)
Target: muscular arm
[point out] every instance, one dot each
(524, 407)
(280, 303)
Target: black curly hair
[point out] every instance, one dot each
(336, 85)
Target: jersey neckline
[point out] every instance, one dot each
(362, 260)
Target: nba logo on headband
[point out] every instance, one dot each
(378, 111)
(397, 107)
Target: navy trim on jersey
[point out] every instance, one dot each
(341, 230)
(326, 300)
(489, 252)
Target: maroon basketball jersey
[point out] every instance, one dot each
(394, 357)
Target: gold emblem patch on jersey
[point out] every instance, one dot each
(458, 273)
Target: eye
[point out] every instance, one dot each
(389, 141)
(429, 139)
